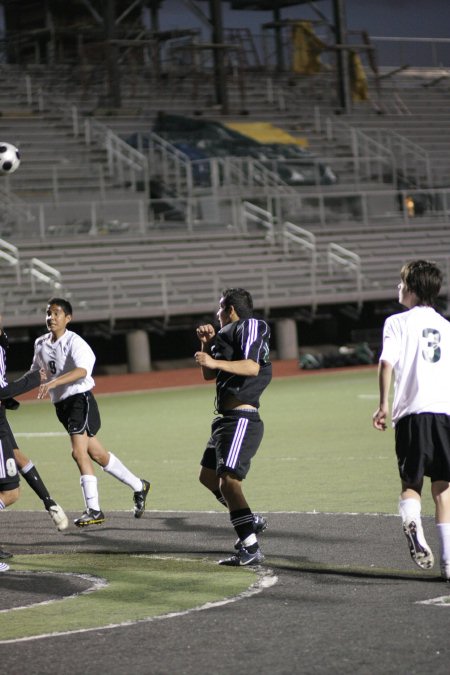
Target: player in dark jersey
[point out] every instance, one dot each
(237, 357)
(9, 471)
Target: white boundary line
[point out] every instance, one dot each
(266, 579)
(97, 584)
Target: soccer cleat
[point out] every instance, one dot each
(243, 557)
(4, 567)
(5, 554)
(90, 517)
(259, 525)
(59, 518)
(420, 553)
(445, 570)
(140, 498)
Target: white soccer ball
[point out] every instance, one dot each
(9, 158)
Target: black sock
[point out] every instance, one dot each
(37, 485)
(242, 521)
(219, 496)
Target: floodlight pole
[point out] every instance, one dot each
(342, 55)
(220, 80)
(112, 65)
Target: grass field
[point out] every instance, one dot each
(319, 451)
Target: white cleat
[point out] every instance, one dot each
(59, 518)
(419, 550)
(4, 567)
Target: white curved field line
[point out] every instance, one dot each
(266, 579)
(96, 584)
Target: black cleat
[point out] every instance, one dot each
(140, 498)
(4, 555)
(90, 517)
(243, 557)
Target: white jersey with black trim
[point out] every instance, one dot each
(417, 345)
(57, 358)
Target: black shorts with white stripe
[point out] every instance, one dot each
(79, 413)
(235, 438)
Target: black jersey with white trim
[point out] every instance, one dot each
(237, 341)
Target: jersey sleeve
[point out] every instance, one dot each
(82, 354)
(391, 341)
(23, 384)
(253, 337)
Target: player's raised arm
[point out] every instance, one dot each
(206, 335)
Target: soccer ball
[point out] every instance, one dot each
(9, 158)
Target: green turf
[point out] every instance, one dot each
(138, 587)
(319, 452)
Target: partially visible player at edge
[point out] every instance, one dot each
(9, 472)
(24, 464)
(237, 357)
(68, 362)
(416, 347)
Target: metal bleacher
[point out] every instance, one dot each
(117, 260)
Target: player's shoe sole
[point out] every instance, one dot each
(140, 498)
(4, 567)
(420, 552)
(60, 520)
(90, 517)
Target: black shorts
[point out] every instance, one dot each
(422, 446)
(9, 473)
(79, 413)
(235, 438)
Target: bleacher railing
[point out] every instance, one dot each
(296, 236)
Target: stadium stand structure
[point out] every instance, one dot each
(352, 235)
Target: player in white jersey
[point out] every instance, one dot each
(416, 349)
(68, 362)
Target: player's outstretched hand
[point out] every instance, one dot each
(205, 333)
(379, 419)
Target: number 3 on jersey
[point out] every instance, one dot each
(431, 351)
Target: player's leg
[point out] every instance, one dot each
(112, 464)
(116, 468)
(410, 507)
(9, 493)
(210, 480)
(31, 475)
(413, 440)
(93, 514)
(440, 491)
(238, 439)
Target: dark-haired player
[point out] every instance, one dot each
(68, 362)
(237, 357)
(416, 347)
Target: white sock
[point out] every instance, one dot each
(2, 505)
(251, 539)
(90, 492)
(410, 509)
(120, 471)
(443, 530)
